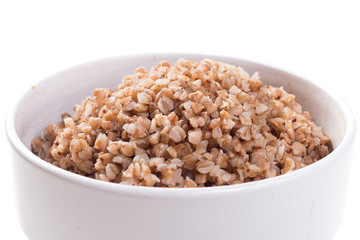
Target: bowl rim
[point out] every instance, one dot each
(176, 193)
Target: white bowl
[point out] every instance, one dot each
(56, 204)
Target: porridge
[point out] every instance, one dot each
(193, 124)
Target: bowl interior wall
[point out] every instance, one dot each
(59, 93)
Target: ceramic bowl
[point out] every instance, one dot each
(56, 204)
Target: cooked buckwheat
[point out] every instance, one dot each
(194, 124)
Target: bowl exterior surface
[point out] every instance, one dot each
(53, 208)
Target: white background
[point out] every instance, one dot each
(318, 40)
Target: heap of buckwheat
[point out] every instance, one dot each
(191, 125)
